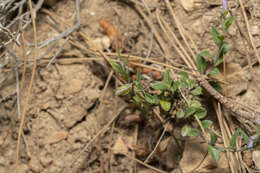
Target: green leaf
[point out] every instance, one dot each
(118, 54)
(201, 112)
(125, 61)
(194, 103)
(201, 63)
(119, 68)
(225, 13)
(176, 85)
(188, 131)
(116, 67)
(191, 83)
(151, 99)
(196, 91)
(185, 130)
(167, 78)
(205, 53)
(190, 111)
(214, 153)
(257, 130)
(232, 142)
(219, 61)
(139, 88)
(137, 99)
(206, 124)
(215, 70)
(221, 37)
(216, 86)
(213, 137)
(256, 144)
(215, 34)
(124, 89)
(166, 105)
(160, 86)
(138, 75)
(193, 132)
(183, 84)
(244, 135)
(184, 74)
(225, 48)
(228, 22)
(180, 114)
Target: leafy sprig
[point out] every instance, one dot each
(178, 98)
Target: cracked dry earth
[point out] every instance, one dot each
(61, 118)
(64, 111)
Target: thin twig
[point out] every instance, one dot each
(17, 91)
(235, 108)
(142, 163)
(161, 23)
(181, 30)
(104, 129)
(196, 117)
(248, 30)
(152, 30)
(156, 34)
(58, 52)
(158, 116)
(29, 88)
(157, 144)
(225, 137)
(24, 62)
(112, 131)
(66, 32)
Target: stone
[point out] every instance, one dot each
(189, 5)
(102, 43)
(120, 147)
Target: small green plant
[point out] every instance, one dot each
(179, 95)
(179, 98)
(176, 98)
(204, 58)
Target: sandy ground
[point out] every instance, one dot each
(66, 109)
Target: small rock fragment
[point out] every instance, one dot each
(102, 43)
(189, 5)
(120, 147)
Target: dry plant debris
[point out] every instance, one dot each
(70, 120)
